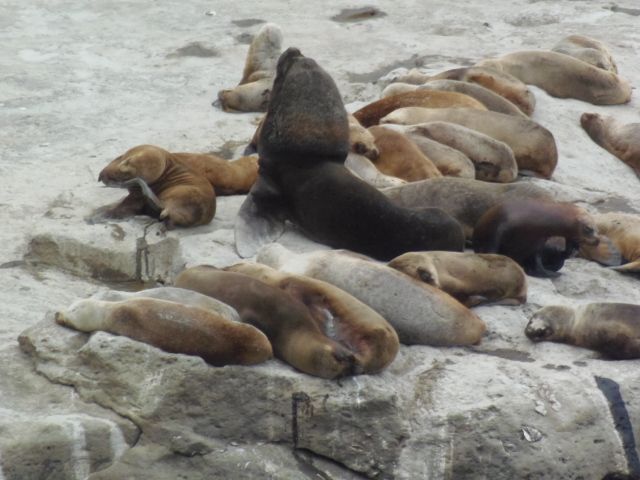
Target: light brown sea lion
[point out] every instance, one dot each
(396, 88)
(287, 323)
(159, 185)
(400, 157)
(302, 178)
(521, 228)
(493, 160)
(175, 295)
(449, 161)
(619, 139)
(623, 231)
(470, 278)
(413, 77)
(464, 199)
(609, 328)
(502, 83)
(564, 76)
(534, 147)
(420, 313)
(490, 99)
(339, 316)
(588, 50)
(371, 114)
(172, 327)
(252, 93)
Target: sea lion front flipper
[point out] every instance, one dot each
(132, 204)
(260, 219)
(152, 201)
(533, 266)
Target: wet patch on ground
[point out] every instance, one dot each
(194, 49)
(349, 15)
(249, 22)
(508, 354)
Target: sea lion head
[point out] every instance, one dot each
(585, 229)
(306, 122)
(147, 162)
(84, 315)
(549, 323)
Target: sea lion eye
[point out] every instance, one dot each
(587, 230)
(360, 148)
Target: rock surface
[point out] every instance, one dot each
(86, 82)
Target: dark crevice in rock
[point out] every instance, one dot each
(611, 390)
(305, 459)
(302, 400)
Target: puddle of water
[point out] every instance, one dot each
(508, 354)
(615, 205)
(194, 49)
(357, 14)
(249, 22)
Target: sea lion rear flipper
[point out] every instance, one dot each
(260, 219)
(152, 201)
(633, 267)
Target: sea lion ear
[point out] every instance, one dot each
(260, 219)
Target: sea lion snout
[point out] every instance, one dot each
(537, 329)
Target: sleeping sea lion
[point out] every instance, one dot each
(588, 50)
(620, 245)
(609, 328)
(420, 313)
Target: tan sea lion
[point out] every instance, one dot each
(420, 313)
(502, 83)
(564, 76)
(490, 99)
(159, 185)
(464, 199)
(413, 77)
(302, 178)
(623, 245)
(609, 328)
(470, 278)
(588, 50)
(520, 229)
(449, 161)
(534, 147)
(287, 323)
(396, 88)
(227, 177)
(364, 169)
(253, 91)
(172, 327)
(339, 316)
(371, 114)
(619, 139)
(400, 157)
(493, 160)
(361, 140)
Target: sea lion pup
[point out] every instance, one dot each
(493, 160)
(172, 327)
(364, 168)
(588, 50)
(621, 235)
(502, 83)
(287, 323)
(610, 328)
(302, 147)
(520, 229)
(161, 186)
(470, 278)
(621, 140)
(420, 313)
(464, 199)
(400, 157)
(449, 161)
(563, 76)
(339, 316)
(252, 93)
(490, 99)
(371, 114)
(534, 147)
(175, 295)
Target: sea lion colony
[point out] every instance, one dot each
(337, 313)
